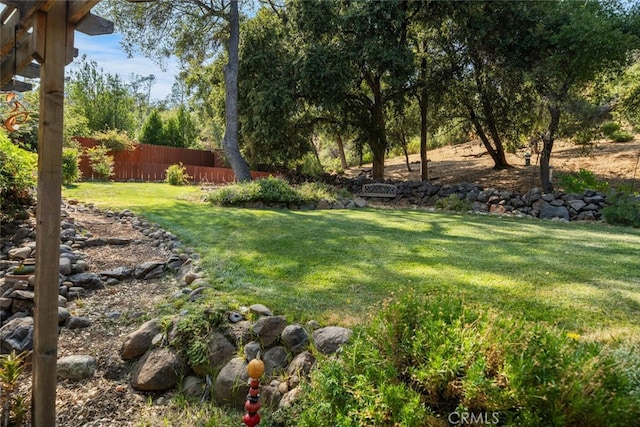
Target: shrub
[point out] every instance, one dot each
(423, 359)
(177, 175)
(115, 140)
(453, 203)
(272, 190)
(578, 182)
(621, 136)
(609, 128)
(623, 209)
(70, 165)
(13, 407)
(101, 163)
(17, 169)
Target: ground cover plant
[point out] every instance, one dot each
(578, 281)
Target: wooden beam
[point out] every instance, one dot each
(31, 71)
(79, 9)
(93, 25)
(16, 86)
(45, 340)
(15, 63)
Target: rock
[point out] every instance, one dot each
(251, 350)
(20, 253)
(76, 367)
(89, 281)
(261, 310)
(74, 322)
(149, 270)
(289, 399)
(193, 386)
(158, 370)
(230, 387)
(116, 241)
(17, 335)
(139, 341)
(269, 328)
(295, 337)
(119, 273)
(330, 338)
(220, 350)
(63, 315)
(301, 364)
(95, 242)
(549, 212)
(270, 396)
(360, 202)
(275, 360)
(65, 266)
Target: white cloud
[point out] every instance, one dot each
(109, 55)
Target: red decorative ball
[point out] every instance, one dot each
(253, 383)
(251, 407)
(254, 392)
(251, 420)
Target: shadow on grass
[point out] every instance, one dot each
(340, 264)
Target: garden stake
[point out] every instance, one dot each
(255, 369)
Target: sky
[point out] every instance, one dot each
(108, 54)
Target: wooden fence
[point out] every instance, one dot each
(150, 162)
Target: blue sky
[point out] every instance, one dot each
(109, 55)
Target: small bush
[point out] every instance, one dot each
(17, 169)
(13, 407)
(624, 209)
(272, 190)
(621, 136)
(423, 359)
(177, 175)
(70, 165)
(609, 128)
(101, 163)
(115, 140)
(453, 203)
(578, 182)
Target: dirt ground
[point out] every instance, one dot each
(616, 163)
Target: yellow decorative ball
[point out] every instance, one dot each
(255, 368)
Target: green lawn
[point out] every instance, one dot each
(337, 266)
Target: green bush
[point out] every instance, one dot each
(423, 360)
(115, 140)
(578, 182)
(623, 209)
(272, 190)
(621, 136)
(453, 203)
(101, 163)
(70, 165)
(177, 175)
(609, 128)
(18, 169)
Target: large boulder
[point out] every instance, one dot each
(139, 341)
(17, 335)
(329, 339)
(158, 370)
(269, 328)
(76, 367)
(231, 386)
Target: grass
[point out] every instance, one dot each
(335, 266)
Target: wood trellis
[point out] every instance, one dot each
(43, 31)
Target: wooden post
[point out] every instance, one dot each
(45, 343)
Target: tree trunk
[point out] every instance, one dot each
(499, 159)
(379, 142)
(230, 141)
(547, 146)
(405, 148)
(343, 157)
(424, 170)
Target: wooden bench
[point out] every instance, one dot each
(379, 190)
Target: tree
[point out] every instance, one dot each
(153, 130)
(571, 44)
(354, 58)
(103, 98)
(193, 30)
